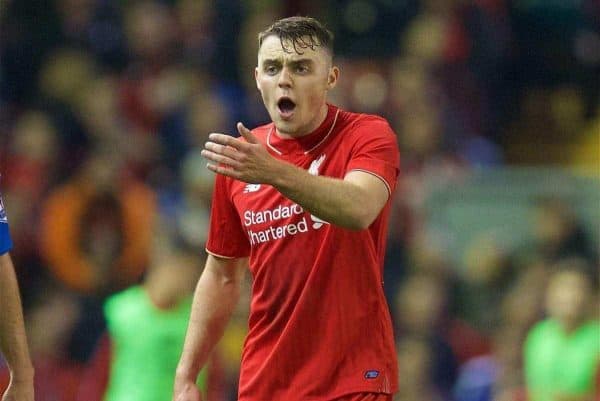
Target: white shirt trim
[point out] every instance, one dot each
(328, 133)
(274, 149)
(220, 256)
(269, 142)
(389, 188)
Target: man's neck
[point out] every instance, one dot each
(570, 326)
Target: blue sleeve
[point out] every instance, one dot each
(5, 242)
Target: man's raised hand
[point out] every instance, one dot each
(245, 160)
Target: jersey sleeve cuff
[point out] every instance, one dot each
(387, 185)
(215, 254)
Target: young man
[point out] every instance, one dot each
(13, 344)
(304, 201)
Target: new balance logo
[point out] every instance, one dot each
(251, 188)
(371, 374)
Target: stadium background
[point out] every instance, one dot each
(104, 106)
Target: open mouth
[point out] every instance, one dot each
(286, 107)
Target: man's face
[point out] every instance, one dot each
(567, 296)
(294, 86)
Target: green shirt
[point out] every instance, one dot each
(561, 363)
(146, 346)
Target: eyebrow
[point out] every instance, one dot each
(278, 61)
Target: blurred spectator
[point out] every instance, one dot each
(95, 26)
(150, 32)
(562, 352)
(61, 80)
(420, 305)
(32, 155)
(117, 214)
(137, 358)
(196, 24)
(558, 234)
(463, 43)
(487, 276)
(523, 302)
(496, 376)
(96, 237)
(186, 127)
(98, 111)
(415, 358)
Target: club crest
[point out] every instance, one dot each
(315, 165)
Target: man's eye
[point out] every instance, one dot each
(302, 69)
(271, 69)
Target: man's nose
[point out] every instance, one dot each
(285, 79)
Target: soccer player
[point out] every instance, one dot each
(13, 344)
(304, 202)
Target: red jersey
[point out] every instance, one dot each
(319, 325)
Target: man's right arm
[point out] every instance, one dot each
(215, 299)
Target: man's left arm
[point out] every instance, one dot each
(13, 344)
(353, 202)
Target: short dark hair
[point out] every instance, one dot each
(302, 32)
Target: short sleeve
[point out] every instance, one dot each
(226, 236)
(5, 241)
(375, 151)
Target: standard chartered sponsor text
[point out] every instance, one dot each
(272, 215)
(265, 216)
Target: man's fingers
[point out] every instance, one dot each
(227, 140)
(224, 150)
(220, 169)
(220, 158)
(246, 133)
(235, 143)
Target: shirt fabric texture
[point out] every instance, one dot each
(319, 325)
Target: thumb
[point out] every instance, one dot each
(246, 133)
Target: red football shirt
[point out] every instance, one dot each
(319, 324)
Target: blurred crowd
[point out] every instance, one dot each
(105, 105)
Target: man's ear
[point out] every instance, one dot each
(332, 78)
(256, 77)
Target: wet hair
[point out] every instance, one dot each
(301, 32)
